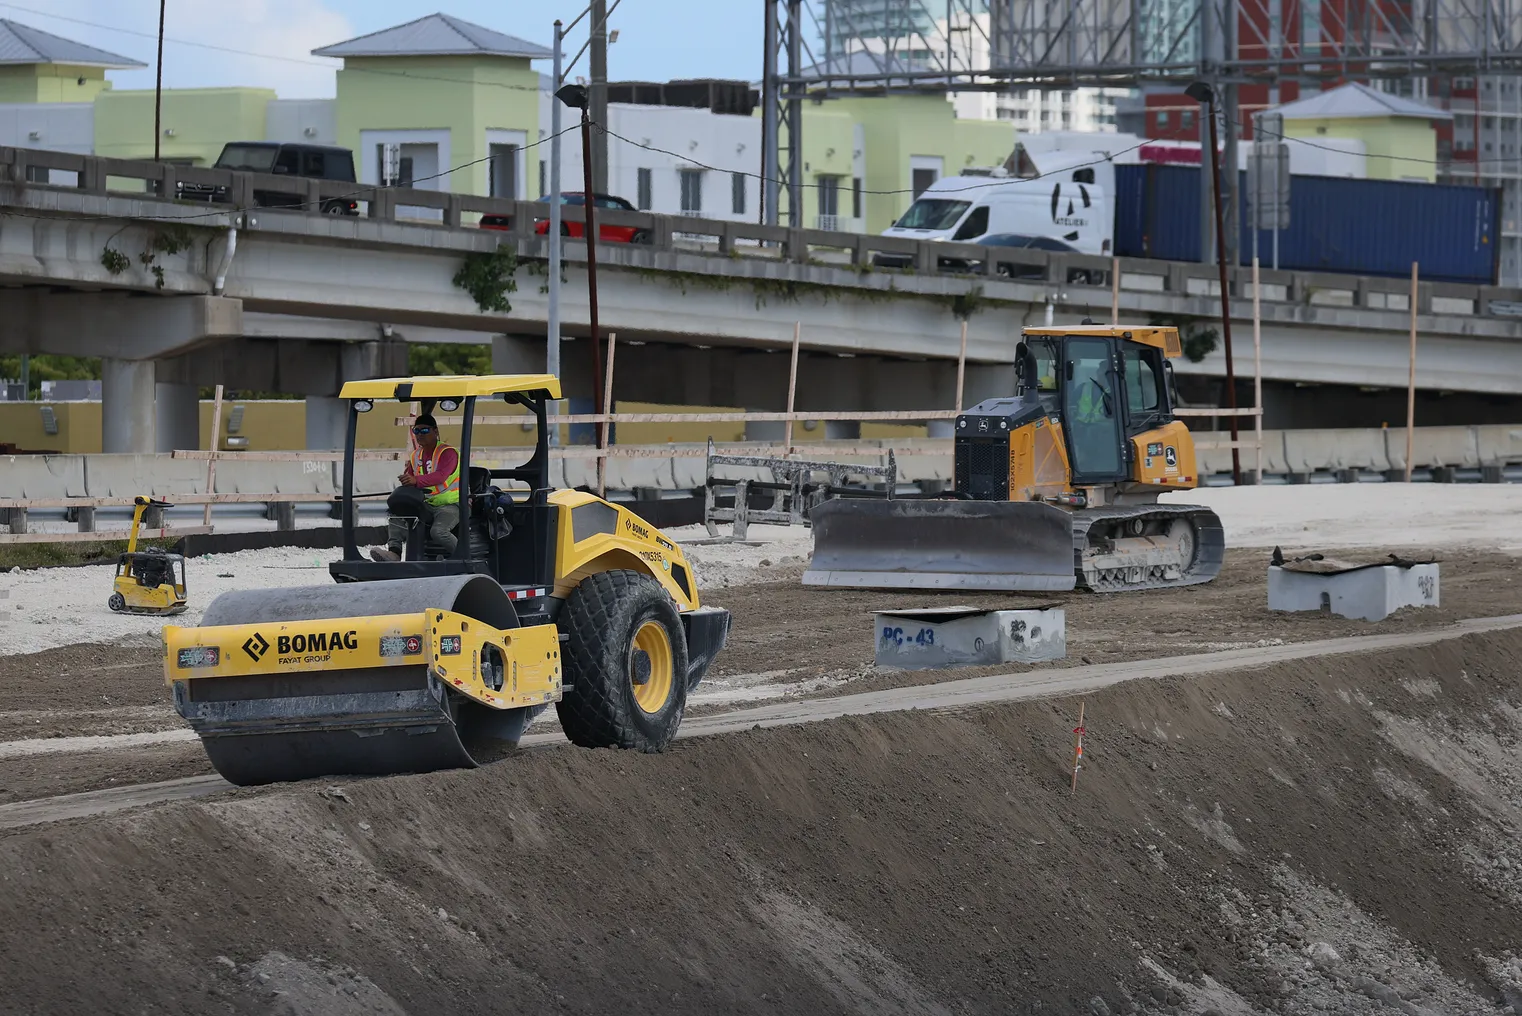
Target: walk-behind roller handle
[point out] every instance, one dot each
(140, 505)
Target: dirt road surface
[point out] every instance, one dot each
(1321, 835)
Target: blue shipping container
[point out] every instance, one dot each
(1361, 227)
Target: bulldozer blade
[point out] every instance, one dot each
(961, 545)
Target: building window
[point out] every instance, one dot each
(829, 202)
(1186, 119)
(692, 191)
(737, 193)
(856, 197)
(544, 177)
(642, 189)
(503, 173)
(1162, 118)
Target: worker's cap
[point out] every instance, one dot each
(426, 420)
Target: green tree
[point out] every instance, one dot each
(448, 358)
(45, 367)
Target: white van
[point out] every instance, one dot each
(1067, 198)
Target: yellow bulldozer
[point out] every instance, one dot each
(441, 660)
(1055, 488)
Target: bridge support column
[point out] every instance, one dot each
(325, 424)
(177, 417)
(517, 354)
(127, 408)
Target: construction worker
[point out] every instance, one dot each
(429, 490)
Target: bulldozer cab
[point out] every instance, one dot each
(1104, 385)
(505, 532)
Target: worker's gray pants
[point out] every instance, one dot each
(440, 520)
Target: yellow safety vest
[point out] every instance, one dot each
(447, 492)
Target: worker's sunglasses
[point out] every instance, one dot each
(422, 430)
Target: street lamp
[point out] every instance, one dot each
(1202, 93)
(575, 96)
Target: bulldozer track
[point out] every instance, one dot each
(1205, 564)
(959, 694)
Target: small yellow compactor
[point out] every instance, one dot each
(550, 597)
(150, 581)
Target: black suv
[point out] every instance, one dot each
(316, 162)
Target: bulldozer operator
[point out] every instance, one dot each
(429, 491)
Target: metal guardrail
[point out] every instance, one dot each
(21, 168)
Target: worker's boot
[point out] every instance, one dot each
(385, 555)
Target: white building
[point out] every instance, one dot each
(648, 160)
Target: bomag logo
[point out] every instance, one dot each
(317, 642)
(637, 529)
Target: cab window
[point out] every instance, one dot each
(1045, 352)
(1143, 380)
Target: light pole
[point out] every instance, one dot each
(575, 96)
(1205, 96)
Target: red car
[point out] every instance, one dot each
(607, 234)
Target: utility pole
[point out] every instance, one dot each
(552, 339)
(1230, 181)
(158, 89)
(597, 96)
(1206, 97)
(589, 232)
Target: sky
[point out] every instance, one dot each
(659, 40)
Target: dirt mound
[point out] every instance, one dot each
(1328, 835)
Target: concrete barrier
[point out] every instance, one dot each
(43, 475)
(1218, 460)
(1306, 451)
(235, 476)
(162, 476)
(1498, 445)
(1433, 447)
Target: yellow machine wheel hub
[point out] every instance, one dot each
(651, 677)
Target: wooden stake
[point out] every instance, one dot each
(961, 367)
(792, 389)
(607, 411)
(1257, 368)
(211, 463)
(1411, 379)
(1115, 291)
(1078, 733)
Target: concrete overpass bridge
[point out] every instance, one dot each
(289, 300)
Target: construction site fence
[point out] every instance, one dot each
(100, 480)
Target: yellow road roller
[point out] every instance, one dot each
(442, 658)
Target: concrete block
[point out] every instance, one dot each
(85, 517)
(16, 517)
(1365, 594)
(1443, 474)
(968, 636)
(1492, 474)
